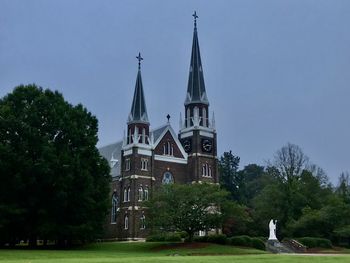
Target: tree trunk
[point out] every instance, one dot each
(190, 236)
(32, 242)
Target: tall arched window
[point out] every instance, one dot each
(129, 136)
(128, 194)
(145, 194)
(137, 139)
(115, 203)
(206, 170)
(125, 197)
(142, 222)
(140, 193)
(188, 117)
(126, 222)
(204, 117)
(168, 148)
(143, 135)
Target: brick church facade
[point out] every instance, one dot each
(146, 159)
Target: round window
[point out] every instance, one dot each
(167, 178)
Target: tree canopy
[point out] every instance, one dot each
(54, 183)
(189, 208)
(290, 189)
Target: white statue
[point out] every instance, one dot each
(272, 227)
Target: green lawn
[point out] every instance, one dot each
(146, 252)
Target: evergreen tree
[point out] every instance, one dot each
(54, 184)
(229, 178)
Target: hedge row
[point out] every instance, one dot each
(311, 242)
(245, 241)
(168, 237)
(248, 241)
(217, 239)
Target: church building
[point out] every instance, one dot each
(146, 159)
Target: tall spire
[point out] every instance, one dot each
(196, 88)
(138, 111)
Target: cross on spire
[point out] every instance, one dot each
(168, 117)
(195, 18)
(139, 58)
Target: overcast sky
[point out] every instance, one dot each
(275, 71)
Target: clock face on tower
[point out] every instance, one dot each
(207, 145)
(187, 145)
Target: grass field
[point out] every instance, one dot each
(150, 252)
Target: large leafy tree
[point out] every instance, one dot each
(294, 186)
(54, 184)
(188, 208)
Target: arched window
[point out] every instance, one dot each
(140, 193)
(127, 164)
(115, 203)
(167, 178)
(126, 222)
(145, 194)
(168, 148)
(144, 164)
(188, 117)
(136, 135)
(125, 197)
(204, 117)
(206, 170)
(129, 136)
(143, 135)
(128, 194)
(142, 222)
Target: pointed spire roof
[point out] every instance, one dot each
(196, 89)
(138, 111)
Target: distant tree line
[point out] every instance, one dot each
(54, 185)
(290, 189)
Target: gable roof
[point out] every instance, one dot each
(173, 134)
(112, 152)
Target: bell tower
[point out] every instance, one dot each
(136, 166)
(197, 133)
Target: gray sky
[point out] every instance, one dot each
(275, 71)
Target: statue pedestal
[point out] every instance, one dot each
(273, 242)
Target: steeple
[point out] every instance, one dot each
(138, 111)
(196, 89)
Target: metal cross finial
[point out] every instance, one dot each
(195, 18)
(139, 58)
(168, 117)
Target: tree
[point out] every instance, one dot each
(343, 188)
(293, 186)
(254, 180)
(189, 208)
(54, 184)
(229, 178)
(290, 161)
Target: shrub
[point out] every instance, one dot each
(311, 242)
(201, 239)
(168, 237)
(257, 243)
(244, 241)
(183, 234)
(217, 239)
